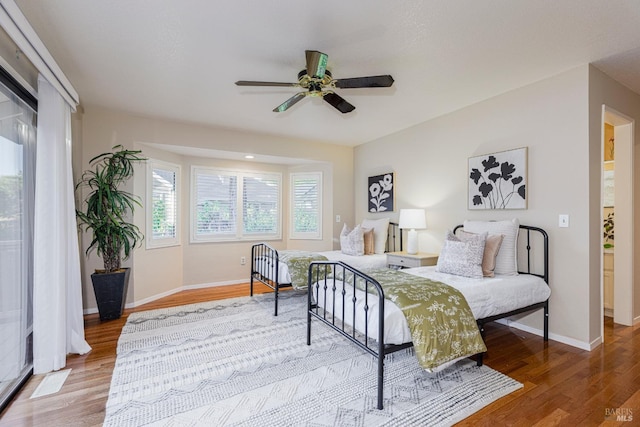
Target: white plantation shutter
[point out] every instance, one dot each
(306, 205)
(234, 205)
(260, 204)
(216, 212)
(162, 213)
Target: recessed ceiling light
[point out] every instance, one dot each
(248, 156)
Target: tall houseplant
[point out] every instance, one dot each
(105, 214)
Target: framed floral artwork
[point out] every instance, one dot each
(498, 180)
(380, 193)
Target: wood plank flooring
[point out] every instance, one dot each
(562, 385)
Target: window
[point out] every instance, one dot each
(163, 210)
(234, 205)
(306, 205)
(18, 117)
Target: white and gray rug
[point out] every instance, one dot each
(231, 362)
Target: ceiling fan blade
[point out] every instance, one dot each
(289, 102)
(250, 83)
(316, 63)
(338, 102)
(372, 81)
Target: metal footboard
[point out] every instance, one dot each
(332, 302)
(265, 263)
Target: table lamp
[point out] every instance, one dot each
(412, 219)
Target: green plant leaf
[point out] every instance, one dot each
(107, 208)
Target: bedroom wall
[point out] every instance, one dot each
(549, 117)
(159, 272)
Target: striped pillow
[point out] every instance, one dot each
(507, 258)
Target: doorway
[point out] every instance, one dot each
(617, 214)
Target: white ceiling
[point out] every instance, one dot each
(179, 59)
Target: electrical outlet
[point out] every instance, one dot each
(243, 260)
(337, 218)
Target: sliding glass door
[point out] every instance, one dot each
(17, 175)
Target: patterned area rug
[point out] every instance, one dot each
(231, 362)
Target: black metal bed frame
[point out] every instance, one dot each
(267, 271)
(331, 274)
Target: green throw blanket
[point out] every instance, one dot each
(298, 263)
(441, 323)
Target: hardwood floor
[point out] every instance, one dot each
(562, 385)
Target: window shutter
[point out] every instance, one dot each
(230, 205)
(306, 205)
(162, 209)
(216, 196)
(260, 204)
(163, 194)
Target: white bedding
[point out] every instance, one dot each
(486, 297)
(492, 295)
(358, 262)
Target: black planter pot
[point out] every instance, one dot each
(111, 292)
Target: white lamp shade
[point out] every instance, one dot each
(412, 219)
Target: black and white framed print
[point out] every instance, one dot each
(380, 193)
(498, 180)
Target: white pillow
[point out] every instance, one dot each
(507, 258)
(462, 258)
(380, 232)
(352, 241)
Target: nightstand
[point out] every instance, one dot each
(404, 260)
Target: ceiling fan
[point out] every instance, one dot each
(318, 82)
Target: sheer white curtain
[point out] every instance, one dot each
(58, 325)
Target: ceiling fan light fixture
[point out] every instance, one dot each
(319, 82)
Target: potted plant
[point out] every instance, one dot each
(608, 231)
(106, 209)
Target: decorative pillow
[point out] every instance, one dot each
(380, 232)
(507, 259)
(352, 241)
(462, 258)
(369, 247)
(491, 248)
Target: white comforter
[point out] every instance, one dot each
(491, 296)
(362, 262)
(486, 297)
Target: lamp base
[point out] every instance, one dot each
(412, 242)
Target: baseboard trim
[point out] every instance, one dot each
(555, 337)
(94, 310)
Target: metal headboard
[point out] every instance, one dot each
(526, 231)
(394, 238)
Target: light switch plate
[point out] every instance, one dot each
(563, 221)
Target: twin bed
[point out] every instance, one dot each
(289, 268)
(383, 310)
